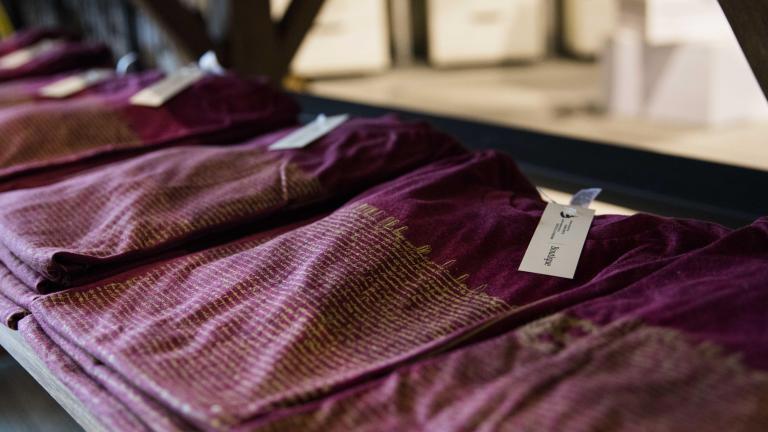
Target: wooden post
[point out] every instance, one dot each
(257, 45)
(252, 44)
(749, 20)
(185, 27)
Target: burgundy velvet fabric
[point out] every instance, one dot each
(53, 139)
(85, 227)
(27, 90)
(415, 281)
(683, 348)
(66, 56)
(105, 406)
(26, 37)
(245, 333)
(10, 312)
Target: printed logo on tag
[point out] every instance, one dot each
(160, 92)
(22, 56)
(303, 136)
(75, 83)
(558, 240)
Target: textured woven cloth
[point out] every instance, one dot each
(245, 333)
(26, 90)
(27, 37)
(93, 390)
(683, 348)
(85, 227)
(10, 312)
(60, 55)
(49, 140)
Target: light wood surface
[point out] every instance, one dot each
(12, 342)
(560, 97)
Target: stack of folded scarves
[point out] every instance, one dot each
(163, 203)
(64, 53)
(236, 288)
(394, 312)
(49, 140)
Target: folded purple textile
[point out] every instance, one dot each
(62, 56)
(26, 90)
(49, 140)
(89, 226)
(26, 37)
(15, 298)
(10, 312)
(240, 334)
(106, 407)
(683, 348)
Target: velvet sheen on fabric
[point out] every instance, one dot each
(683, 348)
(48, 140)
(85, 227)
(63, 56)
(241, 334)
(26, 37)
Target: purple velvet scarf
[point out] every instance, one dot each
(27, 90)
(26, 37)
(252, 330)
(86, 227)
(683, 348)
(53, 139)
(66, 55)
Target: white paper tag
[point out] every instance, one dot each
(311, 131)
(585, 197)
(22, 56)
(168, 87)
(558, 240)
(72, 84)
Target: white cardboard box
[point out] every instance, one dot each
(665, 22)
(348, 36)
(697, 81)
(707, 83)
(486, 31)
(587, 25)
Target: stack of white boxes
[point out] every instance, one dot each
(347, 37)
(486, 31)
(678, 60)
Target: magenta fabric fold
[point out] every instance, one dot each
(26, 37)
(108, 410)
(53, 139)
(10, 312)
(89, 226)
(683, 348)
(66, 56)
(241, 333)
(28, 90)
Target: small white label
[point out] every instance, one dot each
(303, 136)
(585, 197)
(168, 87)
(72, 84)
(558, 240)
(22, 56)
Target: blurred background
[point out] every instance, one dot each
(663, 76)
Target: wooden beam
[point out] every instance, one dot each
(257, 45)
(26, 357)
(749, 20)
(293, 28)
(253, 48)
(184, 26)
